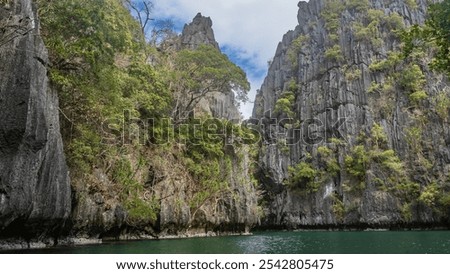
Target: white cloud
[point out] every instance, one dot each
(252, 28)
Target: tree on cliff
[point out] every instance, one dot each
(115, 104)
(142, 10)
(439, 30)
(436, 32)
(199, 72)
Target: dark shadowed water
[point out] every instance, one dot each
(317, 242)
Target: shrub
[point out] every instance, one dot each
(430, 195)
(295, 48)
(285, 104)
(141, 210)
(406, 212)
(368, 33)
(358, 5)
(408, 190)
(445, 200)
(324, 151)
(394, 21)
(374, 87)
(378, 135)
(391, 162)
(413, 81)
(442, 102)
(414, 138)
(331, 13)
(334, 54)
(357, 163)
(334, 38)
(302, 174)
(375, 15)
(353, 74)
(332, 166)
(337, 142)
(393, 59)
(412, 4)
(293, 88)
(418, 96)
(282, 146)
(338, 208)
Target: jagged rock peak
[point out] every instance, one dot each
(198, 32)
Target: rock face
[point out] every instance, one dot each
(198, 32)
(35, 195)
(100, 214)
(235, 211)
(217, 104)
(346, 142)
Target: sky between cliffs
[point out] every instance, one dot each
(248, 31)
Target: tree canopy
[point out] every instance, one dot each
(438, 29)
(114, 85)
(435, 32)
(204, 70)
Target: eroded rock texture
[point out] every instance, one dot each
(332, 113)
(35, 195)
(198, 32)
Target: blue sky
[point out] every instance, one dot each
(248, 31)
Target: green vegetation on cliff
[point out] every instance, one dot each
(366, 62)
(127, 109)
(435, 33)
(124, 103)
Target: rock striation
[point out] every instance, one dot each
(336, 102)
(35, 193)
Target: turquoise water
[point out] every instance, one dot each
(317, 242)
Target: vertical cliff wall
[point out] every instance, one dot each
(354, 133)
(173, 202)
(34, 181)
(233, 210)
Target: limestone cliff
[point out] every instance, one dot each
(142, 191)
(198, 32)
(165, 180)
(353, 134)
(234, 210)
(218, 104)
(35, 195)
